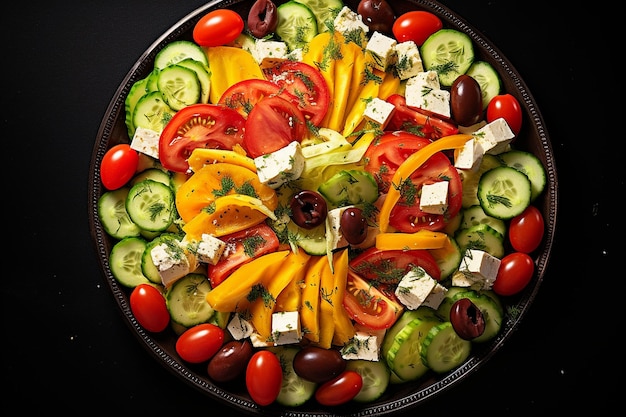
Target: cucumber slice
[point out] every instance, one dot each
(295, 390)
(186, 300)
(443, 350)
(470, 179)
(488, 79)
(155, 174)
(325, 12)
(125, 261)
(150, 204)
(482, 237)
(312, 241)
(475, 215)
(530, 165)
(148, 268)
(404, 357)
(137, 91)
(375, 375)
(297, 24)
(204, 76)
(503, 192)
(151, 83)
(448, 258)
(449, 52)
(152, 112)
(349, 187)
(404, 319)
(174, 52)
(491, 310)
(112, 213)
(180, 86)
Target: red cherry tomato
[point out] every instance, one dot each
(339, 390)
(416, 26)
(119, 164)
(526, 230)
(507, 107)
(219, 27)
(199, 343)
(515, 272)
(264, 377)
(149, 308)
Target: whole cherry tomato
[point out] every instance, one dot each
(416, 26)
(341, 389)
(149, 308)
(515, 272)
(526, 230)
(199, 343)
(507, 107)
(119, 164)
(218, 27)
(264, 377)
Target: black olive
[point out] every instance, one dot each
(467, 319)
(353, 225)
(308, 209)
(262, 18)
(377, 15)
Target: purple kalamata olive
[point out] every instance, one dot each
(262, 18)
(353, 225)
(230, 361)
(377, 15)
(317, 364)
(308, 209)
(466, 101)
(467, 319)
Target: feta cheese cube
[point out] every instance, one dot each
(239, 328)
(364, 345)
(414, 287)
(268, 53)
(436, 296)
(257, 342)
(286, 327)
(276, 168)
(379, 111)
(382, 49)
(409, 61)
(423, 91)
(495, 136)
(434, 198)
(470, 156)
(478, 268)
(349, 23)
(208, 250)
(171, 261)
(146, 141)
(334, 236)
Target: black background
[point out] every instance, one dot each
(66, 348)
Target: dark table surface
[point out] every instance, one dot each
(66, 347)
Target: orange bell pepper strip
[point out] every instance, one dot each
(409, 166)
(229, 65)
(231, 295)
(309, 310)
(205, 156)
(344, 329)
(228, 214)
(290, 298)
(422, 239)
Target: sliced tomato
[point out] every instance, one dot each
(244, 95)
(306, 84)
(368, 306)
(242, 247)
(272, 124)
(418, 121)
(387, 267)
(199, 126)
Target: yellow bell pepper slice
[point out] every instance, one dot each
(204, 156)
(290, 297)
(343, 79)
(409, 166)
(309, 310)
(322, 53)
(229, 65)
(373, 80)
(228, 214)
(389, 86)
(344, 329)
(327, 307)
(262, 308)
(213, 180)
(422, 239)
(233, 291)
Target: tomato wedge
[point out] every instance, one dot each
(272, 124)
(368, 306)
(419, 122)
(305, 84)
(387, 267)
(243, 247)
(244, 95)
(199, 126)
